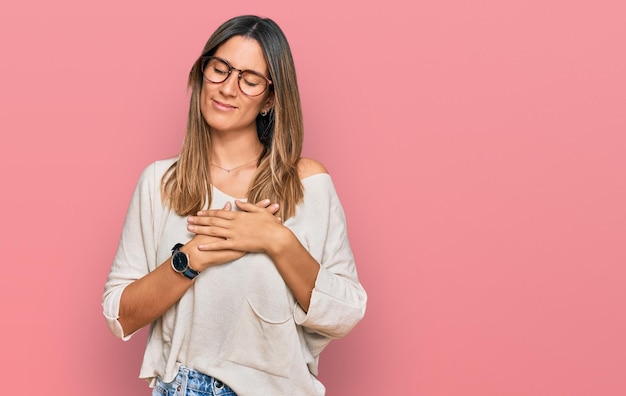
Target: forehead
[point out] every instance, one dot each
(243, 53)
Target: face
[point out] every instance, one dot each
(224, 107)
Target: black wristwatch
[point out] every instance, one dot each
(180, 262)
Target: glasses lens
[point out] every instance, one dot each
(252, 84)
(216, 70)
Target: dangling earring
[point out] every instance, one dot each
(264, 113)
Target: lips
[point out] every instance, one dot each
(223, 106)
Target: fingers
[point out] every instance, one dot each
(221, 245)
(226, 212)
(213, 223)
(199, 258)
(227, 223)
(209, 225)
(266, 203)
(272, 209)
(247, 207)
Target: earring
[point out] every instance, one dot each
(264, 113)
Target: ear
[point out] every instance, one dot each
(269, 102)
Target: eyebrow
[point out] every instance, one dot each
(242, 70)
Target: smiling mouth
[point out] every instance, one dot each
(223, 105)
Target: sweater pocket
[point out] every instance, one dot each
(265, 337)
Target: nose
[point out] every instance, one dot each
(231, 85)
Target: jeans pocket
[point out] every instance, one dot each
(163, 389)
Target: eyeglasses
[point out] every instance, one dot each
(217, 70)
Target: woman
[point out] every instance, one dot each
(236, 251)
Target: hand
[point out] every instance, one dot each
(265, 203)
(252, 229)
(201, 260)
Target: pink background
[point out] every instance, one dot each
(479, 148)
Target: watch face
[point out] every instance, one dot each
(179, 261)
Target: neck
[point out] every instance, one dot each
(233, 151)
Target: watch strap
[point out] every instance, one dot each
(190, 273)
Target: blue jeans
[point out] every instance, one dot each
(189, 382)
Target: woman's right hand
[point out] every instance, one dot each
(201, 260)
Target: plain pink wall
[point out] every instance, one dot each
(479, 149)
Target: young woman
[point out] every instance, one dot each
(235, 252)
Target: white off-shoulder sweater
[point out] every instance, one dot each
(239, 322)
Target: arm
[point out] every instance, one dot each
(322, 277)
(294, 263)
(147, 298)
(139, 289)
(317, 265)
(255, 230)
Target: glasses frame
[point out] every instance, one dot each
(205, 61)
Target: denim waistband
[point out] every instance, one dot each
(196, 381)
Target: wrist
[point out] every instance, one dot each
(180, 262)
(282, 240)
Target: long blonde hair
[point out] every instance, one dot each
(186, 184)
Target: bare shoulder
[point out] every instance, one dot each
(309, 167)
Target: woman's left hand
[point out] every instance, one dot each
(252, 229)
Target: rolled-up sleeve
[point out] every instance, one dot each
(135, 253)
(338, 300)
